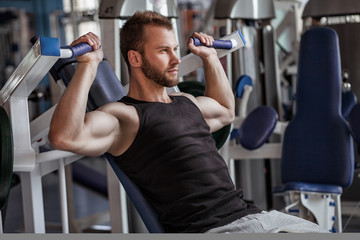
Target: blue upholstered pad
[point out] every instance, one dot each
(105, 88)
(146, 212)
(308, 187)
(317, 146)
(257, 127)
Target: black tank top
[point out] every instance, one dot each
(175, 163)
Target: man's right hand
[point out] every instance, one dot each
(95, 56)
(202, 51)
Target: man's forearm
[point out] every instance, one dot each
(217, 83)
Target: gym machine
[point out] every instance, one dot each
(29, 136)
(344, 18)
(257, 60)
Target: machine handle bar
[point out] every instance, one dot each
(69, 51)
(218, 44)
(78, 49)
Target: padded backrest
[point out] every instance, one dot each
(146, 212)
(317, 146)
(107, 88)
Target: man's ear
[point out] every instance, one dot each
(134, 58)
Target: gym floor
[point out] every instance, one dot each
(89, 205)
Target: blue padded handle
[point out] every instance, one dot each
(80, 49)
(77, 50)
(219, 44)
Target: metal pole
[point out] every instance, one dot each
(63, 197)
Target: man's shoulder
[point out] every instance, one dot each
(187, 95)
(119, 110)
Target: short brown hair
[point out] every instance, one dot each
(132, 35)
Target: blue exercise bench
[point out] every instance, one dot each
(317, 154)
(317, 159)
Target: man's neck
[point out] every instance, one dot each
(148, 91)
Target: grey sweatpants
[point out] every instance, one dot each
(266, 222)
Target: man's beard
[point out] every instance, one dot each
(156, 75)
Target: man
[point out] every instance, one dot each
(163, 142)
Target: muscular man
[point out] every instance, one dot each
(163, 142)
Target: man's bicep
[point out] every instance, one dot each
(215, 114)
(99, 133)
(100, 124)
